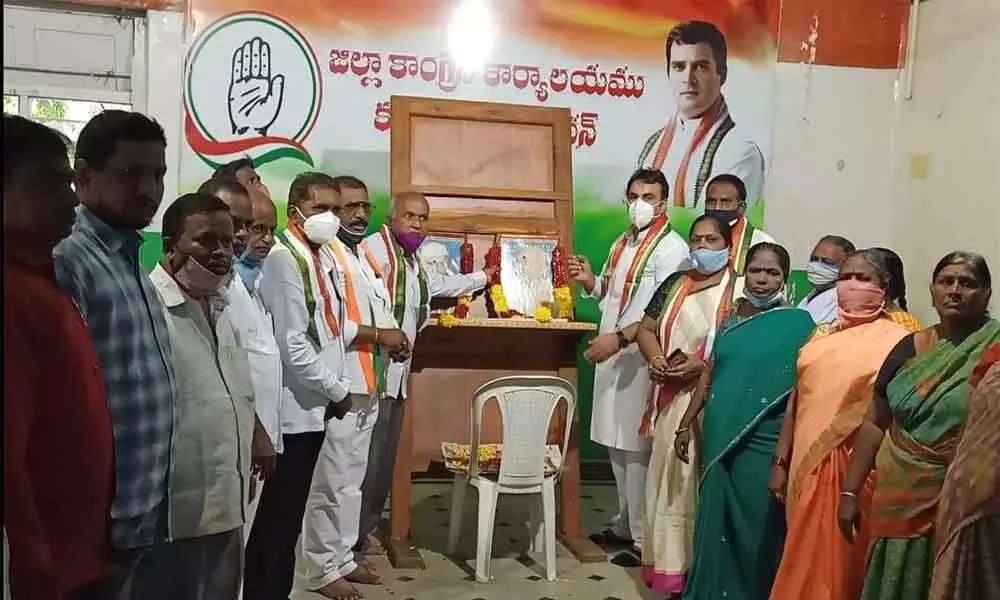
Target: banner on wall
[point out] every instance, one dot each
(306, 86)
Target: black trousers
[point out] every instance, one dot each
(381, 464)
(270, 551)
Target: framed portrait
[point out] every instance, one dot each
(441, 255)
(526, 272)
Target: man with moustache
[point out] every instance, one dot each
(210, 470)
(700, 140)
(255, 328)
(333, 511)
(411, 287)
(120, 164)
(57, 442)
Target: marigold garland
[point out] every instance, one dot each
(543, 314)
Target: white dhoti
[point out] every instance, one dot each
(333, 510)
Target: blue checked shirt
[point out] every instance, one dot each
(99, 267)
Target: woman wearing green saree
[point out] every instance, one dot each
(740, 529)
(921, 400)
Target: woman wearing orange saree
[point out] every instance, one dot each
(836, 373)
(921, 400)
(967, 533)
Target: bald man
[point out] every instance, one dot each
(411, 287)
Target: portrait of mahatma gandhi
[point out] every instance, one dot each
(440, 256)
(526, 272)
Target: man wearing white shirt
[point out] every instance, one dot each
(640, 260)
(297, 290)
(726, 199)
(411, 287)
(827, 258)
(333, 510)
(701, 139)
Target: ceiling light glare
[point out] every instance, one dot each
(471, 34)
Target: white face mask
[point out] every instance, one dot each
(321, 228)
(641, 213)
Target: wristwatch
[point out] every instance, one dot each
(622, 340)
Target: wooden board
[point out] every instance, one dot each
(486, 169)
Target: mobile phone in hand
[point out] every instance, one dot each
(676, 358)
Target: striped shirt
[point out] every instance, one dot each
(99, 267)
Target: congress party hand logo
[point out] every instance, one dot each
(252, 87)
(254, 97)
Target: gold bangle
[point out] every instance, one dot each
(849, 494)
(656, 358)
(682, 430)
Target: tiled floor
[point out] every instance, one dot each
(516, 576)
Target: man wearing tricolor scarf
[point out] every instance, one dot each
(371, 337)
(640, 260)
(700, 140)
(411, 287)
(726, 199)
(300, 286)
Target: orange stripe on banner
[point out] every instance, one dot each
(850, 33)
(354, 313)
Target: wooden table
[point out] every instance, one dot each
(449, 365)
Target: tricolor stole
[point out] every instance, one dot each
(742, 239)
(374, 382)
(658, 229)
(293, 239)
(719, 112)
(678, 289)
(396, 279)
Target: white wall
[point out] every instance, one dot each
(845, 140)
(832, 143)
(952, 120)
(160, 88)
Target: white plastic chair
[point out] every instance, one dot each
(527, 403)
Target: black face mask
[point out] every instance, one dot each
(350, 238)
(726, 216)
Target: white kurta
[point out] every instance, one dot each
(256, 330)
(333, 509)
(313, 371)
(438, 286)
(736, 155)
(622, 382)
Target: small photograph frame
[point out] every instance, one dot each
(526, 272)
(441, 255)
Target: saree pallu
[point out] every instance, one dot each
(740, 529)
(967, 529)
(929, 401)
(688, 323)
(836, 375)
